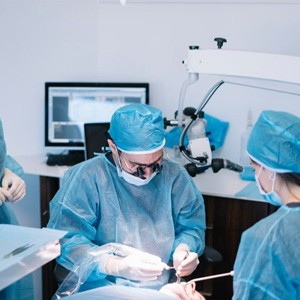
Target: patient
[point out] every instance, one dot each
(183, 291)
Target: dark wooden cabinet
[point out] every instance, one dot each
(226, 219)
(48, 187)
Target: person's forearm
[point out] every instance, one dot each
(14, 166)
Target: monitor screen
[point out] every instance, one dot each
(95, 139)
(68, 106)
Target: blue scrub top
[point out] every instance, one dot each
(98, 207)
(267, 264)
(23, 288)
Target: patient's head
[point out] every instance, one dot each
(183, 291)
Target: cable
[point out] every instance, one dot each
(208, 95)
(205, 100)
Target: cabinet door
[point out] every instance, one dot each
(48, 187)
(226, 219)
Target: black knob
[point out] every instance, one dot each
(220, 41)
(189, 111)
(194, 47)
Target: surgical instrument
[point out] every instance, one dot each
(172, 268)
(212, 277)
(178, 277)
(165, 266)
(18, 250)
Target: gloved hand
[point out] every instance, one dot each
(185, 262)
(13, 187)
(142, 267)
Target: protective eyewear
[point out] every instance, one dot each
(138, 170)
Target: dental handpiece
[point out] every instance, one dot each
(178, 277)
(165, 266)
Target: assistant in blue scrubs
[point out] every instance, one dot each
(12, 189)
(267, 264)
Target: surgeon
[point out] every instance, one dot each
(133, 196)
(267, 264)
(12, 189)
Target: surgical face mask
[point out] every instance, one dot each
(133, 179)
(137, 177)
(272, 197)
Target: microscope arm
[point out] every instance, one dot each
(237, 65)
(243, 64)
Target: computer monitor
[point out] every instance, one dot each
(95, 139)
(69, 105)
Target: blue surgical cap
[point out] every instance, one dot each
(275, 141)
(2, 152)
(138, 129)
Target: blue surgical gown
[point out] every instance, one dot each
(268, 260)
(98, 207)
(23, 288)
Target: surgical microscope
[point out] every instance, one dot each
(238, 67)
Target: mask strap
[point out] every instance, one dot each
(119, 160)
(259, 171)
(273, 178)
(166, 154)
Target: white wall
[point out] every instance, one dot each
(55, 40)
(41, 41)
(148, 42)
(84, 40)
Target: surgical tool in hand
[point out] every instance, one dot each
(167, 267)
(171, 268)
(178, 277)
